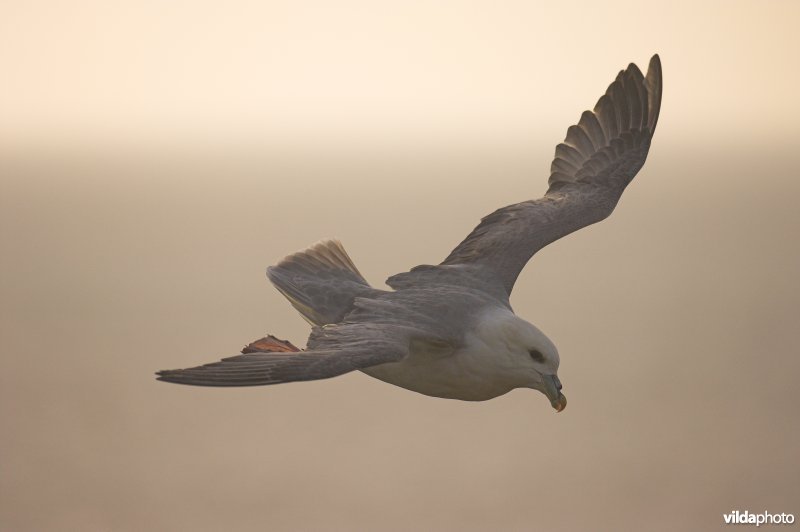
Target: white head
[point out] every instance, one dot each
(525, 351)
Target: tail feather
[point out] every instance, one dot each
(321, 282)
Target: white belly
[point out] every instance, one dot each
(470, 374)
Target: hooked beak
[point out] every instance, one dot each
(552, 389)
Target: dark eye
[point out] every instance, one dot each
(536, 355)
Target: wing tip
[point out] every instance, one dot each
(654, 83)
(631, 102)
(209, 379)
(169, 375)
(655, 62)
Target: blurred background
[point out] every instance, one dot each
(156, 157)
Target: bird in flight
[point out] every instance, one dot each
(449, 330)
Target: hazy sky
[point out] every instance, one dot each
(278, 72)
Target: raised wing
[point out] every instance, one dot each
(333, 350)
(591, 169)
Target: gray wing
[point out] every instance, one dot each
(333, 350)
(591, 169)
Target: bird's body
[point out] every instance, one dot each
(449, 330)
(480, 367)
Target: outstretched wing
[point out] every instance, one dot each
(334, 350)
(591, 169)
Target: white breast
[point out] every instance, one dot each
(482, 369)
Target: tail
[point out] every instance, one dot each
(321, 282)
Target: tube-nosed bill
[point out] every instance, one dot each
(552, 389)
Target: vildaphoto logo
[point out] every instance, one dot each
(765, 518)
